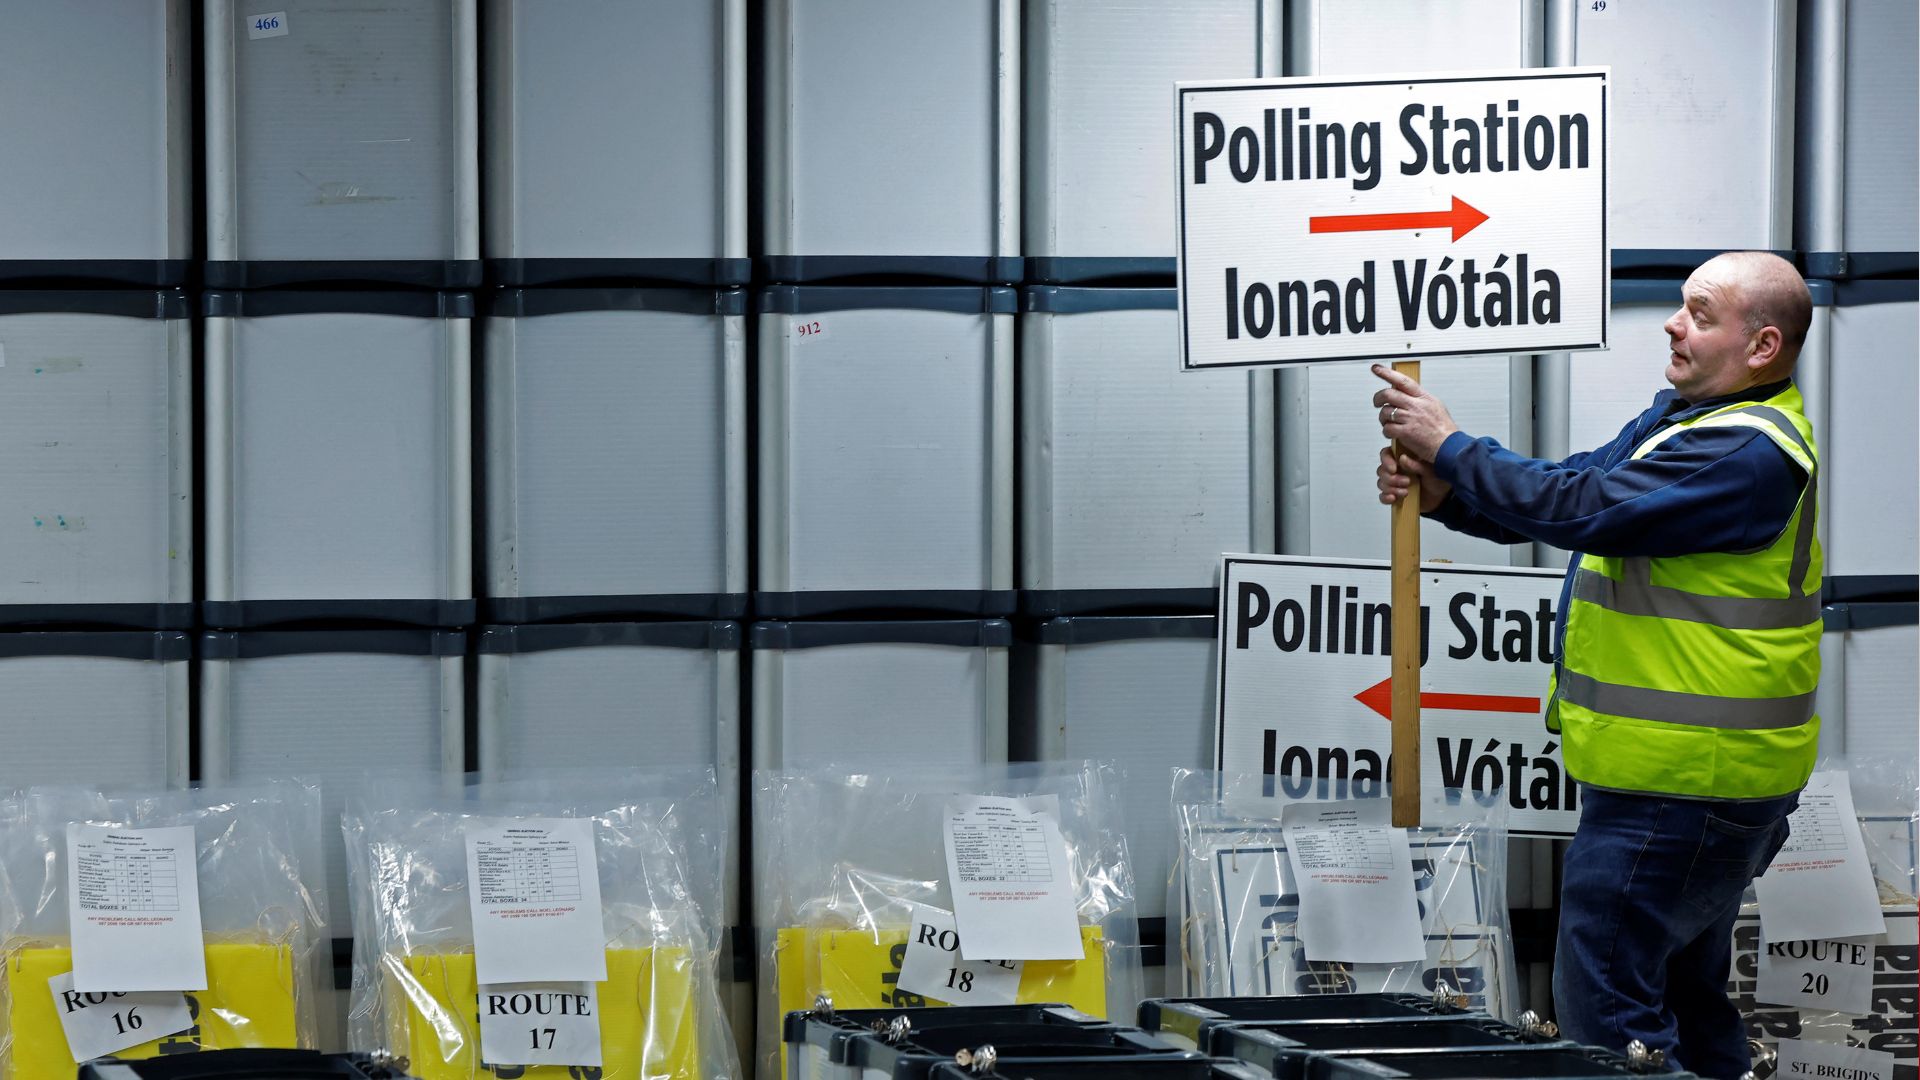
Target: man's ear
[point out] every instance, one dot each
(1764, 349)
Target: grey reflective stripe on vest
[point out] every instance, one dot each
(1639, 597)
(1698, 710)
(1803, 540)
(1779, 420)
(1635, 593)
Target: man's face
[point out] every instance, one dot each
(1708, 335)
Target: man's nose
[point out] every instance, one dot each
(1674, 325)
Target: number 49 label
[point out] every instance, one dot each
(101, 1024)
(271, 24)
(933, 968)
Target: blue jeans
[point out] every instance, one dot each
(1648, 896)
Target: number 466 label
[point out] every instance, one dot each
(271, 24)
(100, 1024)
(933, 968)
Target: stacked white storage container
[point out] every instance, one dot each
(615, 435)
(102, 708)
(873, 694)
(1099, 166)
(616, 141)
(96, 427)
(332, 706)
(338, 457)
(1138, 691)
(342, 143)
(1135, 476)
(1868, 683)
(886, 450)
(892, 139)
(612, 695)
(1700, 127)
(97, 171)
(1873, 514)
(1856, 215)
(1873, 550)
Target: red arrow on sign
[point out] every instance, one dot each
(1379, 698)
(1462, 219)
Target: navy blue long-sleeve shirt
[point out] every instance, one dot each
(1705, 489)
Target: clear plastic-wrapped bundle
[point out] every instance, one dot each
(1886, 802)
(1234, 898)
(262, 911)
(847, 860)
(657, 840)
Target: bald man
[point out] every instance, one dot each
(1688, 648)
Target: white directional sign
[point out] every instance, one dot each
(1304, 652)
(1392, 218)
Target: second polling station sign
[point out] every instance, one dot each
(1392, 218)
(1303, 699)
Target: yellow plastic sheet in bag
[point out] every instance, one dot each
(647, 1027)
(860, 969)
(248, 1002)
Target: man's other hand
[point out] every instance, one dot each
(1395, 477)
(1411, 415)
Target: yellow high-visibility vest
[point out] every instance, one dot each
(1694, 675)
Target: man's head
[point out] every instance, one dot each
(1742, 320)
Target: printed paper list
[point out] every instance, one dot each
(1820, 885)
(133, 900)
(533, 885)
(1356, 882)
(1007, 865)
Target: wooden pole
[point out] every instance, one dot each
(1406, 645)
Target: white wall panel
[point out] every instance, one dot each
(1359, 37)
(614, 129)
(1881, 688)
(1610, 388)
(108, 710)
(96, 130)
(885, 442)
(1136, 475)
(1701, 126)
(892, 128)
(1342, 434)
(1099, 166)
(96, 428)
(1882, 204)
(1114, 689)
(879, 694)
(617, 445)
(352, 135)
(338, 449)
(600, 695)
(332, 716)
(1868, 453)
